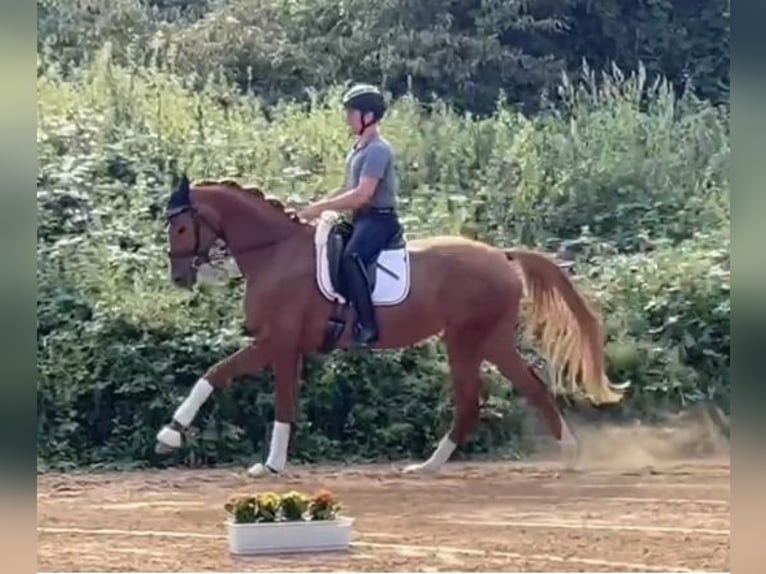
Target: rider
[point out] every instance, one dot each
(370, 191)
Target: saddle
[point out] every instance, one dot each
(338, 238)
(388, 275)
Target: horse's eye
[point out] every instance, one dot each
(181, 230)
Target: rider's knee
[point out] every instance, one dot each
(351, 256)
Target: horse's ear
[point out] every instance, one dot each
(184, 188)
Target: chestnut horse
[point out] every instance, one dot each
(468, 291)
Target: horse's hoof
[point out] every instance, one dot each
(419, 469)
(570, 455)
(620, 387)
(162, 448)
(168, 440)
(569, 448)
(259, 470)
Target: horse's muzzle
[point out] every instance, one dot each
(185, 280)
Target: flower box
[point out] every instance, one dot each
(272, 524)
(286, 537)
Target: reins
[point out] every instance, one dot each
(201, 257)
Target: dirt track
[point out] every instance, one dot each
(510, 516)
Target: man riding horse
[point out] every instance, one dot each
(464, 290)
(370, 190)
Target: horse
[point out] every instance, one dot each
(467, 292)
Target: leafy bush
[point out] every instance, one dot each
(668, 319)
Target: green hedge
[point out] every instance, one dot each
(118, 346)
(667, 316)
(107, 383)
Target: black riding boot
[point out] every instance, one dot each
(366, 332)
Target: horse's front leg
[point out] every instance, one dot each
(248, 360)
(286, 370)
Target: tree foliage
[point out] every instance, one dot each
(465, 52)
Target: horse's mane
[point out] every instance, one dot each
(257, 192)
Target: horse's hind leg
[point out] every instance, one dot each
(464, 353)
(501, 351)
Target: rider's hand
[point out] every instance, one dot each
(309, 213)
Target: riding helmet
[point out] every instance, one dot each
(365, 98)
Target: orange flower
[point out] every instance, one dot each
(323, 506)
(324, 497)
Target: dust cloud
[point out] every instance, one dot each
(700, 432)
(697, 433)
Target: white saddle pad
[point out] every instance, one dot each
(392, 280)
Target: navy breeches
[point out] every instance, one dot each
(372, 233)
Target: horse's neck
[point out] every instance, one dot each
(250, 227)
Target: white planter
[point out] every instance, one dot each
(286, 537)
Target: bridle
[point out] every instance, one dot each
(199, 256)
(202, 256)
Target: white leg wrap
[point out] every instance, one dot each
(280, 437)
(187, 410)
(438, 458)
(442, 453)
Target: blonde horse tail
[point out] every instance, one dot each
(568, 330)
